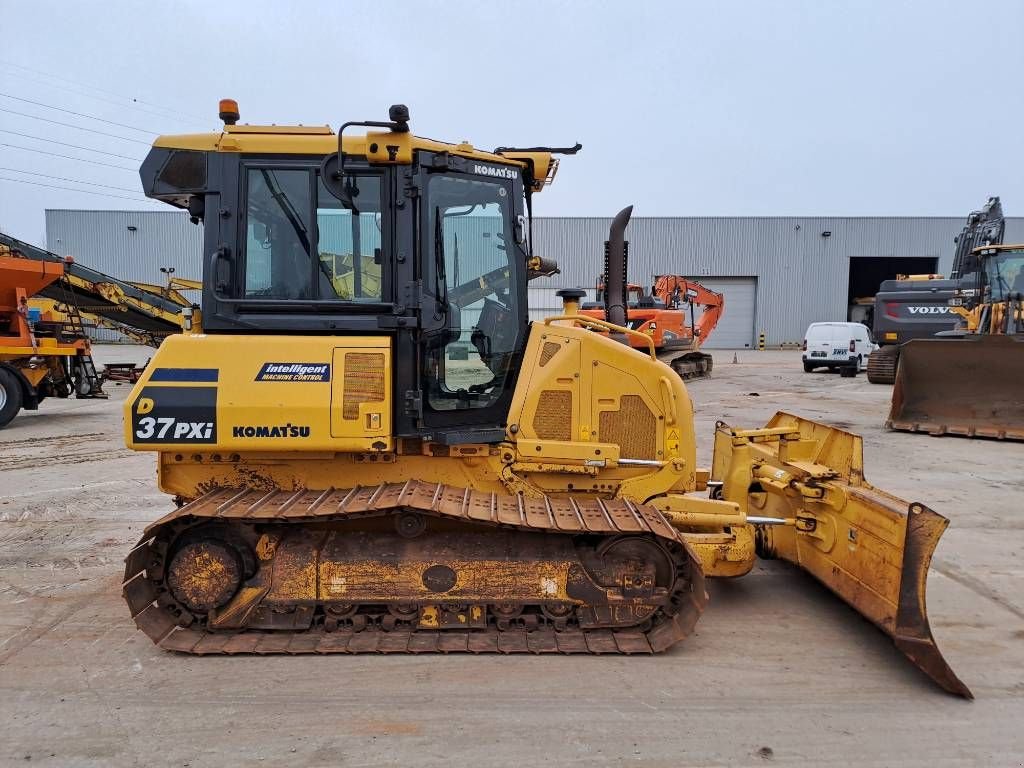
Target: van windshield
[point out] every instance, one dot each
(829, 332)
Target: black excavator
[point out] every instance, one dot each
(918, 306)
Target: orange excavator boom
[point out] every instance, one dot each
(676, 290)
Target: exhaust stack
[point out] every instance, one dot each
(615, 268)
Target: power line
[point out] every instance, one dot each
(120, 101)
(79, 114)
(63, 178)
(67, 157)
(65, 144)
(83, 191)
(71, 125)
(101, 90)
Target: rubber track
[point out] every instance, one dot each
(151, 606)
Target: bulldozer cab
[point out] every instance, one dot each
(427, 244)
(1003, 270)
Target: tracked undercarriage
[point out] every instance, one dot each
(412, 567)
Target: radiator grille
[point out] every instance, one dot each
(364, 382)
(633, 427)
(553, 419)
(549, 350)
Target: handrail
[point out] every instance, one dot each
(584, 320)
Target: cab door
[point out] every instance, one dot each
(474, 320)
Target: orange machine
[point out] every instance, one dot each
(668, 314)
(40, 356)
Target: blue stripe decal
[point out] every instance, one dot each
(184, 374)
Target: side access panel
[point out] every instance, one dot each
(264, 393)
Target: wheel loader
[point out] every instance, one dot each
(345, 484)
(968, 382)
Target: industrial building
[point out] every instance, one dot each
(778, 273)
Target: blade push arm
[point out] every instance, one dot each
(872, 549)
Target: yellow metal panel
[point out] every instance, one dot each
(271, 393)
(43, 349)
(601, 373)
(567, 451)
(385, 148)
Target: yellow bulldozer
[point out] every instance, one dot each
(394, 459)
(967, 382)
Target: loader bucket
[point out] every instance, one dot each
(870, 548)
(969, 386)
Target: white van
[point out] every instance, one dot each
(837, 346)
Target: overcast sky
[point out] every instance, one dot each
(721, 108)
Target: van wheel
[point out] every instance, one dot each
(808, 367)
(848, 371)
(10, 397)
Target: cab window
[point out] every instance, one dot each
(302, 243)
(349, 242)
(278, 234)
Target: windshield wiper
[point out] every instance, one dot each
(1001, 281)
(440, 278)
(455, 257)
(287, 208)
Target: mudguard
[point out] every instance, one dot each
(869, 547)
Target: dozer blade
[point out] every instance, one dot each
(870, 548)
(969, 386)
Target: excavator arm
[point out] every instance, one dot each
(675, 290)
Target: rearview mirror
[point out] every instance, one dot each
(519, 229)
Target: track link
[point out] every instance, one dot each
(882, 365)
(169, 625)
(691, 365)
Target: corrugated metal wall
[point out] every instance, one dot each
(802, 277)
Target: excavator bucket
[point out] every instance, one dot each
(969, 386)
(870, 548)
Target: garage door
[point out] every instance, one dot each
(735, 329)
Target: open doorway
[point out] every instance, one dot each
(868, 272)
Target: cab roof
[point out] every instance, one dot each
(1006, 247)
(378, 147)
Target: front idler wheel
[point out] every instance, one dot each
(204, 575)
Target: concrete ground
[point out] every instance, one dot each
(779, 672)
